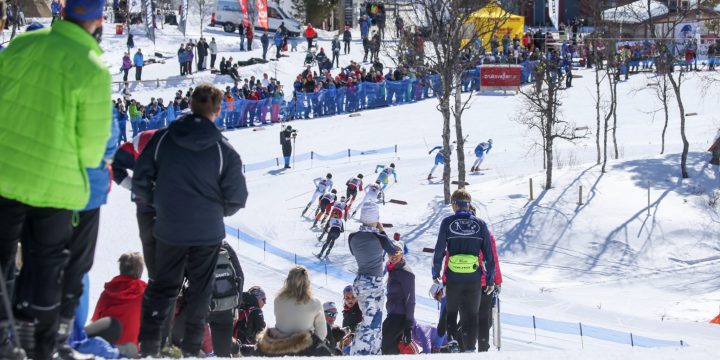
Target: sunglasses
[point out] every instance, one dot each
(331, 313)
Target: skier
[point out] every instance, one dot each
(480, 151)
(354, 185)
(333, 228)
(384, 176)
(439, 158)
(326, 203)
(339, 208)
(372, 193)
(321, 186)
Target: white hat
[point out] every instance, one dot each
(369, 213)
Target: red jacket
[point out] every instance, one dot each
(122, 300)
(310, 32)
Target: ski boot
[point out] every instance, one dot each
(453, 346)
(8, 349)
(430, 176)
(304, 211)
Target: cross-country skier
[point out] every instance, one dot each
(340, 208)
(384, 176)
(321, 186)
(439, 158)
(354, 185)
(372, 193)
(333, 228)
(480, 151)
(326, 203)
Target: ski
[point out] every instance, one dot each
(496, 321)
(399, 202)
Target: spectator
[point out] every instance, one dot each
(223, 66)
(364, 26)
(336, 51)
(202, 53)
(166, 176)
(352, 316)
(213, 53)
(250, 35)
(347, 37)
(227, 292)
(189, 59)
(241, 32)
(293, 44)
(332, 342)
(300, 328)
(398, 324)
(310, 35)
(251, 320)
(368, 245)
(278, 40)
(122, 300)
(286, 137)
(126, 65)
(265, 42)
(130, 41)
(77, 98)
(139, 62)
(320, 58)
(182, 59)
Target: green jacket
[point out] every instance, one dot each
(55, 116)
(134, 112)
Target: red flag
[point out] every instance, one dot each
(262, 13)
(245, 13)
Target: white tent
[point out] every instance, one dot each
(635, 12)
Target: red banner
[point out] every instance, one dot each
(245, 12)
(262, 13)
(500, 77)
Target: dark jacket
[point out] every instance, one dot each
(251, 320)
(352, 317)
(265, 40)
(463, 234)
(401, 291)
(194, 178)
(369, 247)
(286, 139)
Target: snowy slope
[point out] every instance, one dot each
(605, 263)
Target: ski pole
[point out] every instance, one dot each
(8, 308)
(294, 151)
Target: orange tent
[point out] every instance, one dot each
(716, 320)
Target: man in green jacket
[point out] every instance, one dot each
(45, 148)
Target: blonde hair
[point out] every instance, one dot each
(297, 286)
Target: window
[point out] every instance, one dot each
(272, 13)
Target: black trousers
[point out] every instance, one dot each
(45, 234)
(221, 328)
(125, 74)
(346, 49)
(138, 73)
(173, 264)
(336, 59)
(484, 322)
(146, 222)
(265, 49)
(392, 331)
(463, 298)
(310, 42)
(82, 253)
(330, 242)
(277, 54)
(213, 57)
(200, 62)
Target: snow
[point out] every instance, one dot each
(606, 263)
(635, 12)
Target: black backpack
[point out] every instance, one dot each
(227, 289)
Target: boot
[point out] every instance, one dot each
(26, 337)
(150, 349)
(429, 176)
(64, 351)
(194, 354)
(8, 349)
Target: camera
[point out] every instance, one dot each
(294, 133)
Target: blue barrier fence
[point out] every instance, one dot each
(349, 153)
(525, 321)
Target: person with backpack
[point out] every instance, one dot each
(461, 238)
(182, 165)
(227, 291)
(251, 320)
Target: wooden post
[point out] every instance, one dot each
(264, 249)
(158, 82)
(580, 202)
(295, 259)
(534, 328)
(632, 340)
(532, 196)
(582, 342)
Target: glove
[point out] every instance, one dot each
(407, 332)
(126, 183)
(489, 289)
(436, 291)
(497, 289)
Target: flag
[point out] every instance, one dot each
(554, 12)
(148, 16)
(183, 16)
(262, 13)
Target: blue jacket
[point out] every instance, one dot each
(364, 27)
(463, 234)
(278, 39)
(55, 7)
(481, 149)
(138, 59)
(99, 177)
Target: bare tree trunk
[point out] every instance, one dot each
(666, 110)
(607, 123)
(614, 98)
(598, 82)
(459, 135)
(445, 111)
(681, 107)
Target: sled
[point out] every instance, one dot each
(691, 114)
(387, 225)
(465, 183)
(399, 202)
(496, 321)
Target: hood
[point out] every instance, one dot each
(125, 288)
(249, 300)
(194, 132)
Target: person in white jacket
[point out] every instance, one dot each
(213, 53)
(300, 328)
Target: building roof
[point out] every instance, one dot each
(635, 12)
